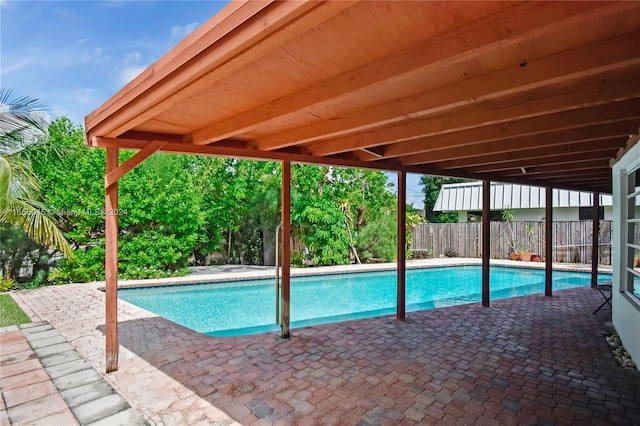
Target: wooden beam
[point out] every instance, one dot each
(286, 250)
(223, 150)
(114, 176)
(604, 177)
(486, 241)
(600, 91)
(548, 242)
(111, 265)
(539, 126)
(530, 154)
(562, 68)
(256, 27)
(467, 41)
(577, 174)
(152, 136)
(553, 141)
(402, 247)
(444, 131)
(574, 166)
(560, 162)
(595, 239)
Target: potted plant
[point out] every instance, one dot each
(535, 258)
(526, 255)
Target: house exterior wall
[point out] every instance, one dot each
(559, 214)
(626, 306)
(608, 213)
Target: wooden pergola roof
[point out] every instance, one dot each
(527, 92)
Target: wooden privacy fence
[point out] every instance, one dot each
(571, 240)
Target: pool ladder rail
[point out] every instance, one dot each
(278, 229)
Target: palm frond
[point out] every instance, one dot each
(23, 122)
(23, 183)
(35, 223)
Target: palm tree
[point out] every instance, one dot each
(23, 130)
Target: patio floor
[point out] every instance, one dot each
(525, 361)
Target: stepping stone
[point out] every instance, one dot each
(85, 393)
(74, 380)
(60, 358)
(100, 408)
(54, 349)
(128, 417)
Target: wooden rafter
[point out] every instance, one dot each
(114, 175)
(535, 93)
(475, 90)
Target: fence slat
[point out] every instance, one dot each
(572, 240)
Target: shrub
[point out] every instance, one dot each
(377, 240)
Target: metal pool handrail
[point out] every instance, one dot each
(278, 228)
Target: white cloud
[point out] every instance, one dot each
(75, 103)
(132, 57)
(16, 66)
(94, 55)
(129, 73)
(181, 31)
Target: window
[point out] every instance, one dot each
(586, 213)
(631, 211)
(476, 216)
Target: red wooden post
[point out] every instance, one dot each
(402, 246)
(486, 240)
(286, 247)
(548, 239)
(111, 264)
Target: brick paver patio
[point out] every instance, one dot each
(525, 361)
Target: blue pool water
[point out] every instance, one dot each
(246, 307)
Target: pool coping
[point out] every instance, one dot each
(344, 269)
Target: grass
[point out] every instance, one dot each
(10, 312)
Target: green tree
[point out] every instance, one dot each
(161, 216)
(22, 141)
(318, 223)
(74, 186)
(160, 202)
(330, 208)
(431, 186)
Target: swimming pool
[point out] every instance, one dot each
(248, 307)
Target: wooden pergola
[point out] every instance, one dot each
(528, 92)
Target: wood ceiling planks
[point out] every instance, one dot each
(477, 89)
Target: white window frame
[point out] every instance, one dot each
(624, 191)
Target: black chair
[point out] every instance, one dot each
(605, 290)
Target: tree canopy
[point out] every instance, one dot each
(431, 186)
(23, 142)
(176, 211)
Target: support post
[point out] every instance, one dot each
(402, 247)
(111, 264)
(486, 240)
(286, 248)
(595, 240)
(548, 242)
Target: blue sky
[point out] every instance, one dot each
(74, 55)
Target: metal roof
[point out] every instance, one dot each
(468, 196)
